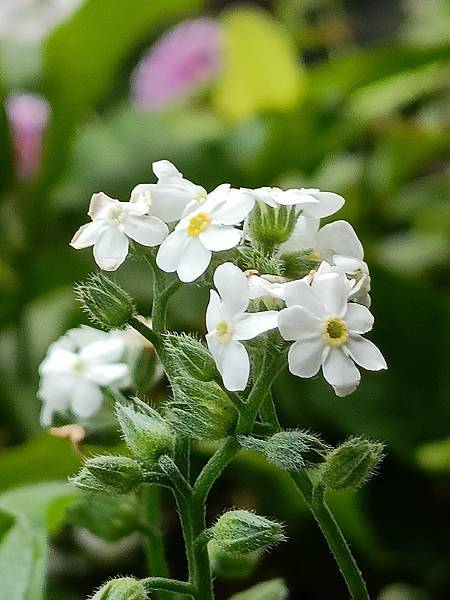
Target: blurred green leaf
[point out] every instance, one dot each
(434, 456)
(262, 70)
(275, 589)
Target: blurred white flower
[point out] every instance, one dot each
(312, 202)
(327, 332)
(113, 222)
(75, 370)
(228, 325)
(207, 229)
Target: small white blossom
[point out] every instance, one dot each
(172, 196)
(207, 229)
(75, 370)
(113, 223)
(228, 325)
(327, 332)
(263, 286)
(312, 202)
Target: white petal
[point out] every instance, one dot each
(88, 234)
(167, 201)
(328, 204)
(107, 374)
(86, 398)
(213, 311)
(339, 369)
(111, 249)
(104, 351)
(235, 366)
(220, 237)
(298, 323)
(295, 197)
(171, 251)
(194, 260)
(217, 197)
(55, 392)
(339, 238)
(300, 293)
(233, 288)
(345, 390)
(304, 236)
(236, 207)
(58, 360)
(260, 287)
(217, 349)
(305, 357)
(264, 195)
(365, 353)
(250, 325)
(100, 205)
(165, 170)
(332, 289)
(146, 230)
(359, 319)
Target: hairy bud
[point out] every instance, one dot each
(105, 302)
(232, 566)
(201, 409)
(352, 463)
(86, 482)
(270, 227)
(189, 355)
(241, 532)
(145, 432)
(125, 588)
(121, 473)
(298, 264)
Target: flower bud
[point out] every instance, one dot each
(275, 589)
(105, 302)
(351, 464)
(241, 532)
(88, 483)
(189, 355)
(298, 264)
(125, 588)
(270, 227)
(201, 409)
(145, 432)
(121, 473)
(232, 566)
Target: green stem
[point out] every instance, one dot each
(170, 585)
(154, 546)
(214, 468)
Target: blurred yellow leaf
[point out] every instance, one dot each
(262, 68)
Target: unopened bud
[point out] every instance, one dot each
(121, 473)
(351, 464)
(232, 566)
(201, 409)
(105, 302)
(270, 227)
(189, 355)
(86, 482)
(145, 432)
(125, 588)
(298, 264)
(241, 532)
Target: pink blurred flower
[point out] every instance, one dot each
(185, 58)
(28, 116)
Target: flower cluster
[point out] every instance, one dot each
(322, 309)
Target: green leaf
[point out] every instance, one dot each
(434, 457)
(28, 512)
(262, 70)
(275, 589)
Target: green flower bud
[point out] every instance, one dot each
(105, 302)
(352, 463)
(145, 432)
(88, 483)
(189, 355)
(108, 517)
(298, 264)
(251, 259)
(241, 532)
(275, 589)
(121, 473)
(201, 409)
(232, 566)
(125, 588)
(270, 227)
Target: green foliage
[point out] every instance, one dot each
(271, 227)
(275, 589)
(119, 473)
(190, 357)
(125, 588)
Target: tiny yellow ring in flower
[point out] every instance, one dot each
(198, 223)
(335, 331)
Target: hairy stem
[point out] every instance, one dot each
(154, 546)
(170, 585)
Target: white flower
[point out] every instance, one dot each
(76, 368)
(172, 196)
(312, 202)
(263, 286)
(113, 222)
(327, 333)
(338, 244)
(228, 324)
(207, 229)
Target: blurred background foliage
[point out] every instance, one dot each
(336, 94)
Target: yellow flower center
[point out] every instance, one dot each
(198, 223)
(200, 196)
(79, 366)
(115, 213)
(224, 331)
(314, 255)
(335, 331)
